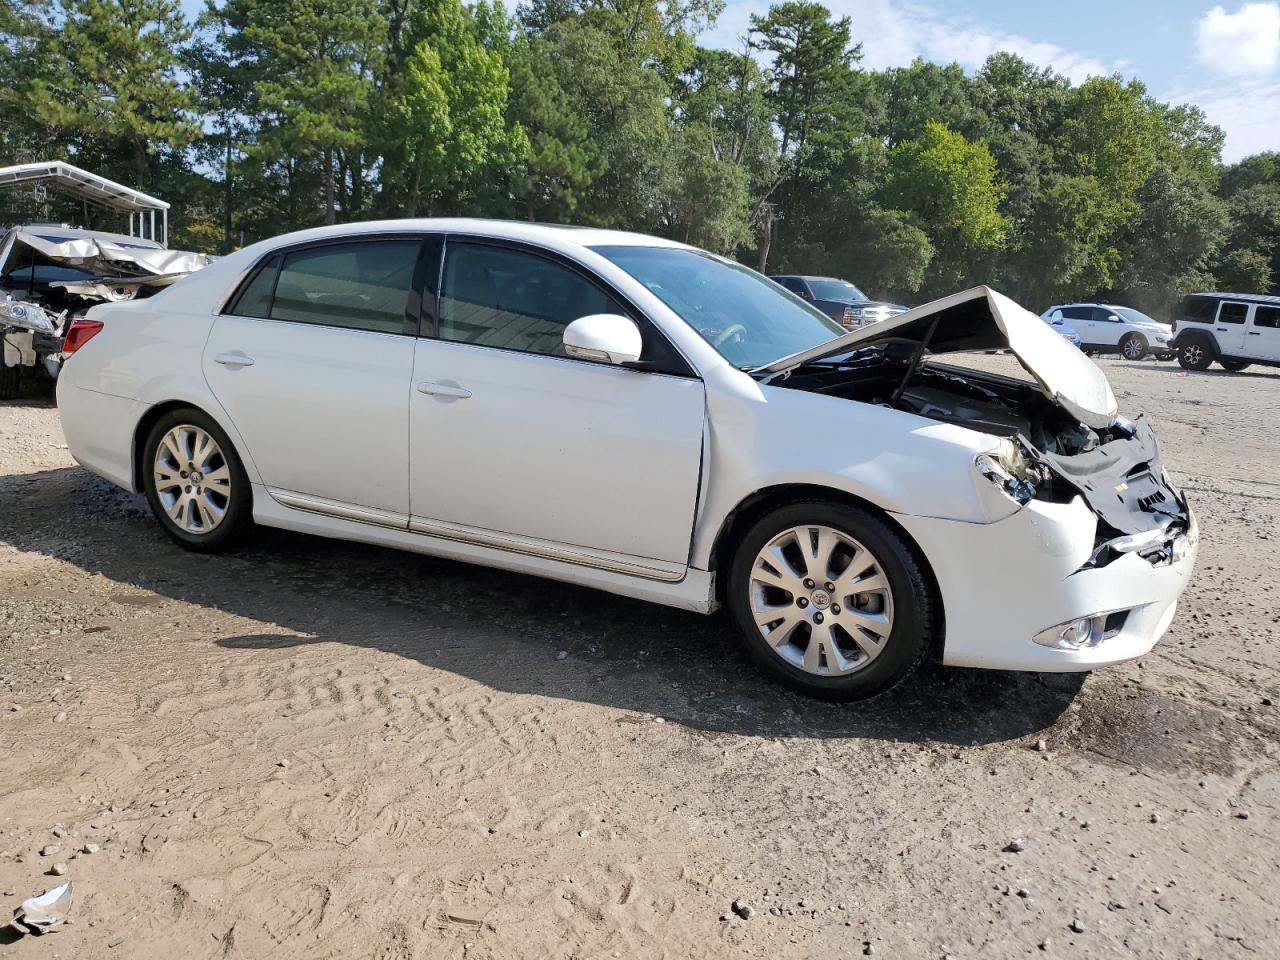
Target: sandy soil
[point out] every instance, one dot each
(316, 749)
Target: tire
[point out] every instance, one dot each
(219, 501)
(1133, 346)
(1235, 366)
(1195, 355)
(1165, 356)
(10, 377)
(897, 619)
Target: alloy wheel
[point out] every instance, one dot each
(1133, 348)
(821, 600)
(1193, 353)
(192, 479)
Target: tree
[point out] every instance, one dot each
(112, 87)
(562, 158)
(950, 188)
(448, 110)
(312, 64)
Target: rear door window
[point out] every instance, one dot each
(1267, 317)
(1077, 313)
(1231, 312)
(360, 285)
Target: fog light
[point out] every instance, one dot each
(1084, 632)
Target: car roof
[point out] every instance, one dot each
(1247, 297)
(547, 234)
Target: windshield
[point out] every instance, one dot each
(747, 317)
(836, 290)
(1133, 316)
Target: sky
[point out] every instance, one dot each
(1225, 58)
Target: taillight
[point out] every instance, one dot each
(79, 333)
(1173, 327)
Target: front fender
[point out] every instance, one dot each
(769, 436)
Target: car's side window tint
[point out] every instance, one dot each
(1267, 317)
(1102, 314)
(362, 285)
(1198, 309)
(1076, 313)
(1233, 312)
(255, 296)
(498, 297)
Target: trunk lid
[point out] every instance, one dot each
(983, 319)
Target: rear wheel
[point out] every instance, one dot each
(831, 601)
(10, 377)
(1235, 366)
(1133, 346)
(194, 481)
(1195, 355)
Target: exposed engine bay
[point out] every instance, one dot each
(1047, 453)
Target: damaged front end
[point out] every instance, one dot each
(1059, 438)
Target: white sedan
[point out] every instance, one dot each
(640, 416)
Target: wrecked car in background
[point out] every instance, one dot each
(51, 275)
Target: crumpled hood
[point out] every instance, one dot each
(105, 254)
(983, 319)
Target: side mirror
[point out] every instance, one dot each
(607, 337)
(1112, 318)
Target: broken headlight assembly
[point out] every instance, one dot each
(1008, 468)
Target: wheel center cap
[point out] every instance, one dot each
(196, 476)
(820, 599)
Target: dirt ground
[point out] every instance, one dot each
(316, 749)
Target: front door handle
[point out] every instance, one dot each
(233, 360)
(1255, 333)
(434, 388)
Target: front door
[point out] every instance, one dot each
(313, 365)
(1229, 328)
(510, 436)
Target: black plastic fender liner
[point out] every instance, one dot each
(1124, 481)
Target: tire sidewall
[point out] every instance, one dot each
(1206, 355)
(239, 512)
(1134, 338)
(912, 600)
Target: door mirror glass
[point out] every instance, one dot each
(1112, 318)
(606, 337)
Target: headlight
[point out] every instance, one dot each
(1009, 469)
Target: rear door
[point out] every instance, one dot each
(1264, 334)
(510, 436)
(1229, 327)
(313, 364)
(1081, 320)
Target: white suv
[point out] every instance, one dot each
(1236, 329)
(1106, 328)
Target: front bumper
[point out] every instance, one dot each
(1004, 582)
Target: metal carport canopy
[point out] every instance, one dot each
(107, 193)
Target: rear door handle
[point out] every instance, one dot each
(1255, 333)
(434, 388)
(233, 360)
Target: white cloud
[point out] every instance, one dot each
(1248, 113)
(893, 34)
(1240, 43)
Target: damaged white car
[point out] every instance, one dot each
(51, 274)
(640, 416)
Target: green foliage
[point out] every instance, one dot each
(269, 115)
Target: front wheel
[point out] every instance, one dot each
(10, 377)
(1134, 346)
(194, 481)
(1194, 355)
(831, 600)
